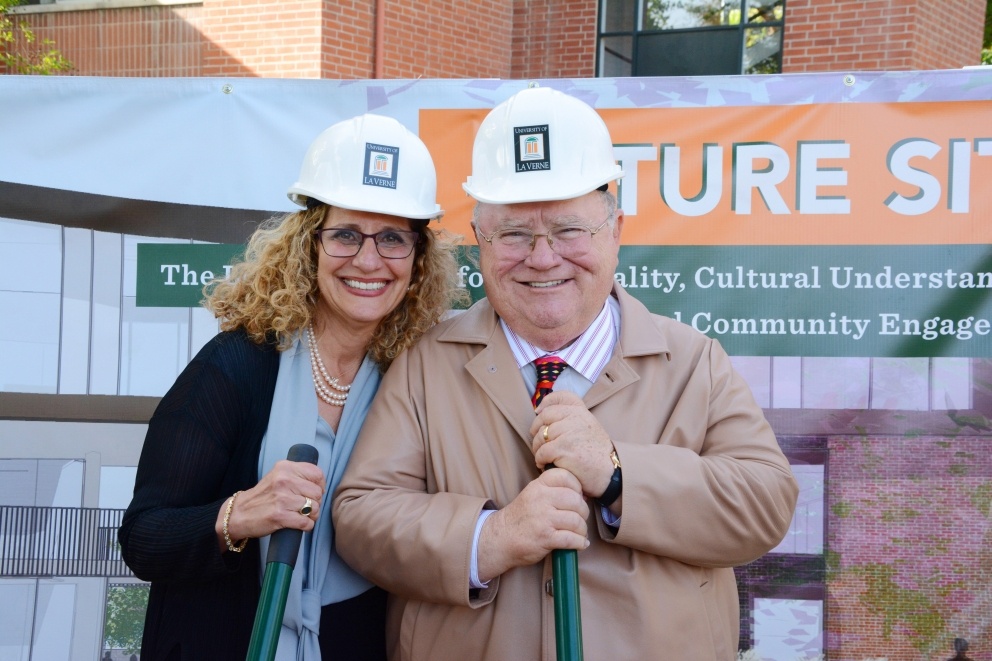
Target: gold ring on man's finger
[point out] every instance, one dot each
(307, 507)
(546, 427)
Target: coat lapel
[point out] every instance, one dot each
(616, 376)
(495, 370)
(639, 336)
(493, 367)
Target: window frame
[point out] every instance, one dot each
(636, 33)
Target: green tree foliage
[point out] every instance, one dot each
(658, 14)
(987, 43)
(20, 49)
(125, 619)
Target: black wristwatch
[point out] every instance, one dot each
(616, 483)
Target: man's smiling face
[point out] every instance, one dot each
(547, 297)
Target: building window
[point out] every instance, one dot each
(782, 594)
(80, 331)
(788, 628)
(37, 617)
(690, 37)
(805, 535)
(41, 483)
(878, 384)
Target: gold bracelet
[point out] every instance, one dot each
(240, 546)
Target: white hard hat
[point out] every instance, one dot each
(540, 145)
(370, 163)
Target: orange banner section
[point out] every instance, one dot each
(830, 174)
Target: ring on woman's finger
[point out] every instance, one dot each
(307, 507)
(546, 427)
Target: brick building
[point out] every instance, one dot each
(358, 39)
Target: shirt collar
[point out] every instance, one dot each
(587, 355)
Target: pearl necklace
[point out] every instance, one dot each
(321, 377)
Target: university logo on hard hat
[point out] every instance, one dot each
(531, 148)
(381, 164)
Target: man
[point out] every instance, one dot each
(960, 650)
(665, 473)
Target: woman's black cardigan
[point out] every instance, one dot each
(202, 445)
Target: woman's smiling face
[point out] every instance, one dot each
(361, 290)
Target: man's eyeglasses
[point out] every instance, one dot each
(390, 244)
(566, 240)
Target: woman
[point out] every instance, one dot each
(325, 299)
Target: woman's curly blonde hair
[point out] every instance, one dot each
(273, 293)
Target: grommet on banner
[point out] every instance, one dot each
(227, 88)
(849, 80)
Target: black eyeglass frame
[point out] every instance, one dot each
(418, 239)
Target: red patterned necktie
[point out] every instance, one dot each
(548, 369)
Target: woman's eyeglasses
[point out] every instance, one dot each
(390, 244)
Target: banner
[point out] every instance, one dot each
(812, 215)
(886, 200)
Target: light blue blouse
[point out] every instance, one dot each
(320, 576)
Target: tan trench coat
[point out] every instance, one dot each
(705, 487)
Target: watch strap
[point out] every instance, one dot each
(616, 483)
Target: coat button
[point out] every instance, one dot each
(549, 587)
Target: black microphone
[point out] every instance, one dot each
(284, 545)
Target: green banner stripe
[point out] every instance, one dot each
(896, 301)
(171, 275)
